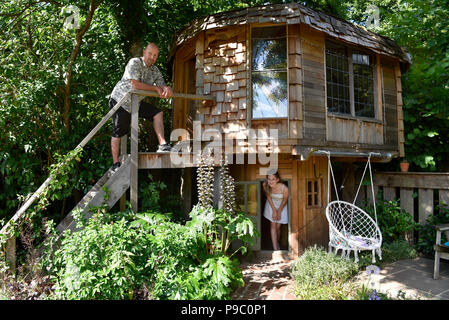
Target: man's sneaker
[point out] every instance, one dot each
(115, 166)
(166, 147)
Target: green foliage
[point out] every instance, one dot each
(393, 221)
(150, 193)
(114, 257)
(320, 275)
(427, 231)
(422, 28)
(34, 54)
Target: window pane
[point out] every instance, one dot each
(269, 54)
(363, 85)
(269, 72)
(337, 79)
(269, 95)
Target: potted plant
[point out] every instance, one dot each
(404, 164)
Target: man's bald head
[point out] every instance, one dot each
(152, 45)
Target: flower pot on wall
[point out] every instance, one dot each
(404, 166)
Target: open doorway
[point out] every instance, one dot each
(265, 234)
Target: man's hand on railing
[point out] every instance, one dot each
(164, 91)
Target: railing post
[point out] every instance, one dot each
(123, 152)
(134, 150)
(11, 253)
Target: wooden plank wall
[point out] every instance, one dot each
(183, 82)
(389, 102)
(314, 105)
(398, 76)
(350, 130)
(295, 81)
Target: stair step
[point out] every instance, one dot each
(116, 182)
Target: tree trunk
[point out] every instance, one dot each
(69, 75)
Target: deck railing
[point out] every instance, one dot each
(418, 193)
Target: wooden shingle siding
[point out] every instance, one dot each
(225, 77)
(314, 87)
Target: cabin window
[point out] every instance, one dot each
(313, 193)
(363, 84)
(269, 72)
(349, 81)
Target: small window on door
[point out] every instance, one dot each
(313, 193)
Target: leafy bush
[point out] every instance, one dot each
(427, 231)
(117, 257)
(322, 275)
(393, 221)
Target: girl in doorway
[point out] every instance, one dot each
(275, 206)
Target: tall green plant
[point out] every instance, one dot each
(394, 222)
(219, 226)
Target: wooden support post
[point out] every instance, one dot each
(425, 204)
(11, 253)
(134, 151)
(443, 196)
(123, 151)
(407, 200)
(186, 191)
(389, 193)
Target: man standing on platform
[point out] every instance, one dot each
(140, 74)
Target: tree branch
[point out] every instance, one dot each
(76, 49)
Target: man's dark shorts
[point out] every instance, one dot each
(121, 120)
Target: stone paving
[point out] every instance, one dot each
(413, 278)
(266, 277)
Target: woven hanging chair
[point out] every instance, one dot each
(351, 228)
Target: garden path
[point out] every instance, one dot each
(266, 277)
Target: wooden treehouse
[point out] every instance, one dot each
(271, 87)
(322, 83)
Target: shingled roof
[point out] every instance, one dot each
(293, 13)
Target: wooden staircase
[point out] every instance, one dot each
(116, 183)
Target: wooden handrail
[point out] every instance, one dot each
(131, 93)
(175, 95)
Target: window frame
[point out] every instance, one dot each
(250, 72)
(318, 193)
(373, 57)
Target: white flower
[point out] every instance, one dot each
(372, 269)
